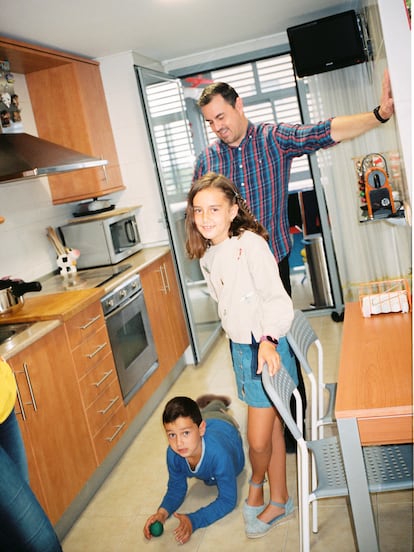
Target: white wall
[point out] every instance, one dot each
(130, 133)
(397, 44)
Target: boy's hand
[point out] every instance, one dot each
(160, 516)
(184, 530)
(268, 355)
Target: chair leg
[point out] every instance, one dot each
(303, 477)
(314, 503)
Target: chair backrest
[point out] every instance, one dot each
(280, 389)
(300, 337)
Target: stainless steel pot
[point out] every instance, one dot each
(12, 291)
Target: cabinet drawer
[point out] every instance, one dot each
(110, 434)
(97, 380)
(84, 324)
(101, 411)
(91, 351)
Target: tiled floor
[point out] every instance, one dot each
(114, 519)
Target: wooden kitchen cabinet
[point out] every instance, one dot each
(98, 382)
(55, 430)
(34, 473)
(70, 109)
(165, 310)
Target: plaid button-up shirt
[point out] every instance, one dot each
(260, 168)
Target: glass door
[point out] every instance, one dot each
(173, 151)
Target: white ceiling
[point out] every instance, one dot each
(159, 29)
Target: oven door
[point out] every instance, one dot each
(132, 345)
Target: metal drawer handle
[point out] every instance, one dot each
(29, 384)
(167, 281)
(91, 321)
(97, 350)
(119, 428)
(164, 288)
(110, 405)
(105, 377)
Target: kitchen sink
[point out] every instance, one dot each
(8, 331)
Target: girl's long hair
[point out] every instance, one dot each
(196, 244)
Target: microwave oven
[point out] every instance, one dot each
(103, 239)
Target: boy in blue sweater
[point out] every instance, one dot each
(209, 449)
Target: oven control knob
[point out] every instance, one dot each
(109, 303)
(122, 293)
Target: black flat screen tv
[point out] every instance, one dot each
(326, 44)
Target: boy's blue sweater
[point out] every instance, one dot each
(221, 462)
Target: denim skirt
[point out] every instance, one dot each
(249, 384)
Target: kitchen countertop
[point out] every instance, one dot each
(84, 279)
(61, 298)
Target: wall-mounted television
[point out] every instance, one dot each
(326, 44)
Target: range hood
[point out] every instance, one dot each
(25, 156)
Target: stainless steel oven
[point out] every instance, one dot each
(130, 335)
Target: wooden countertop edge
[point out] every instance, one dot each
(371, 413)
(60, 306)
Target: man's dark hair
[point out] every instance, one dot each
(181, 407)
(218, 89)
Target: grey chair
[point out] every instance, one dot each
(389, 467)
(301, 338)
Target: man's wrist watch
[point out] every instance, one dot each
(378, 116)
(269, 338)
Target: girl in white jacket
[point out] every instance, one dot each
(256, 312)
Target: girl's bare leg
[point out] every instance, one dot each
(276, 472)
(260, 423)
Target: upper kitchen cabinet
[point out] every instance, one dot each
(69, 107)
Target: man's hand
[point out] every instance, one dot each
(347, 127)
(184, 530)
(387, 103)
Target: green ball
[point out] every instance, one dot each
(156, 529)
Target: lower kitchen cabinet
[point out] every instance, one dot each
(111, 433)
(97, 377)
(55, 431)
(34, 473)
(165, 310)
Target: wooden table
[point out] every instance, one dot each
(374, 403)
